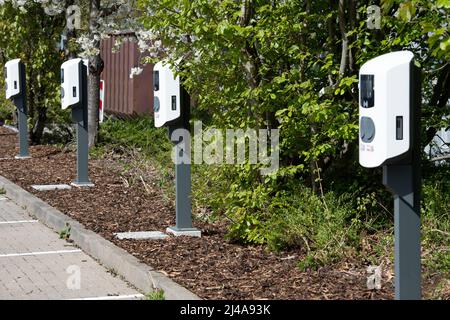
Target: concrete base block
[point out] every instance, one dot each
(141, 235)
(22, 158)
(50, 187)
(82, 185)
(189, 232)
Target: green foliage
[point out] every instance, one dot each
(6, 111)
(265, 74)
(6, 107)
(271, 69)
(428, 17)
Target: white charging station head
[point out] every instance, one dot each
(71, 74)
(12, 78)
(385, 104)
(166, 94)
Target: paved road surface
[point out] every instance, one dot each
(36, 264)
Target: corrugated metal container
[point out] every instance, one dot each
(125, 96)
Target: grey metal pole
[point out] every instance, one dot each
(183, 204)
(22, 110)
(404, 182)
(183, 174)
(20, 103)
(79, 116)
(183, 192)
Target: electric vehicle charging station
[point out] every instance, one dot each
(74, 95)
(172, 109)
(15, 83)
(389, 122)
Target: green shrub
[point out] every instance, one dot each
(6, 112)
(6, 107)
(236, 193)
(261, 212)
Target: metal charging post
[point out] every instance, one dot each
(390, 130)
(21, 103)
(79, 116)
(183, 173)
(404, 181)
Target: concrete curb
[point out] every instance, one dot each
(140, 275)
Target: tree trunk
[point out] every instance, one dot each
(71, 34)
(38, 130)
(344, 54)
(95, 69)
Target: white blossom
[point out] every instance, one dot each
(124, 19)
(135, 72)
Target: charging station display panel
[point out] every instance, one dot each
(71, 83)
(12, 78)
(167, 91)
(385, 108)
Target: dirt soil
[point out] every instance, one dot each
(210, 266)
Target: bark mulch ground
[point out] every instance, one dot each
(211, 266)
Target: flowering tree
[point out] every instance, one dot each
(105, 17)
(30, 35)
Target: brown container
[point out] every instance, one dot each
(125, 96)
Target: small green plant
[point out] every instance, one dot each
(326, 228)
(2, 191)
(65, 233)
(158, 294)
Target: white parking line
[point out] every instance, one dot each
(18, 221)
(8, 255)
(130, 296)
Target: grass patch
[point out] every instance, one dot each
(326, 228)
(137, 133)
(436, 226)
(158, 294)
(143, 152)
